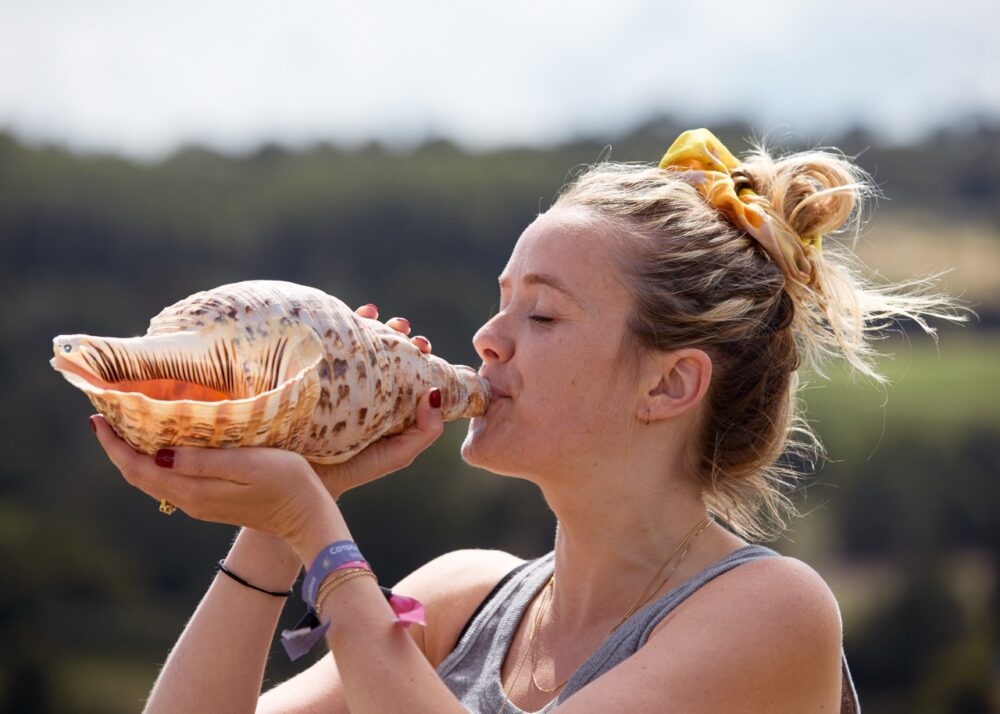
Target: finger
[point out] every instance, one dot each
(368, 310)
(240, 465)
(235, 465)
(140, 470)
(123, 456)
(422, 343)
(399, 324)
(429, 416)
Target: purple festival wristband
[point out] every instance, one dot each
(332, 557)
(309, 630)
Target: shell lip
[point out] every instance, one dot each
(83, 384)
(83, 378)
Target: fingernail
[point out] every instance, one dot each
(421, 337)
(164, 458)
(93, 422)
(403, 320)
(435, 398)
(373, 307)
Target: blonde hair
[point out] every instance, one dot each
(699, 281)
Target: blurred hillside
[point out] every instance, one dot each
(904, 519)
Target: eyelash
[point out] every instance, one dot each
(540, 319)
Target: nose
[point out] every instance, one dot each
(491, 342)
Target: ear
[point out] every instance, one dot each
(678, 382)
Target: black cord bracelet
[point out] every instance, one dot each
(241, 581)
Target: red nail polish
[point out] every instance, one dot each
(93, 423)
(373, 307)
(403, 320)
(435, 398)
(164, 458)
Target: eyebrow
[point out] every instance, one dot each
(542, 279)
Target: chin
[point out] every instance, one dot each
(472, 448)
(482, 452)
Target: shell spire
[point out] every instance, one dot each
(263, 363)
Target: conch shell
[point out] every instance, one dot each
(263, 363)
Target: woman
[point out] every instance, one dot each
(644, 364)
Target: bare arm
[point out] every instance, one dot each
(451, 587)
(381, 666)
(218, 663)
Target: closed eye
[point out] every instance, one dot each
(539, 318)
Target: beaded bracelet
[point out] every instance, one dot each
(333, 583)
(335, 577)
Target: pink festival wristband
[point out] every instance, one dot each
(337, 556)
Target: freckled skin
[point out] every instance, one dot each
(562, 376)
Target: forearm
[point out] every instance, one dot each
(218, 663)
(380, 666)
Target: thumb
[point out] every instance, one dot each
(429, 416)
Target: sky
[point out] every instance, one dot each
(144, 78)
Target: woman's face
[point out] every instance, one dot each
(561, 404)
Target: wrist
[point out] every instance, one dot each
(324, 525)
(263, 543)
(263, 559)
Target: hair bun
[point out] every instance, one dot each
(812, 193)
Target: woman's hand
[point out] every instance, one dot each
(266, 489)
(262, 488)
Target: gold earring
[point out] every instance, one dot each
(646, 419)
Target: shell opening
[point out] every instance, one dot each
(185, 366)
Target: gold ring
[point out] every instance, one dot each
(167, 508)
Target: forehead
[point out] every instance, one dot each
(568, 245)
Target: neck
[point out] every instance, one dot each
(611, 539)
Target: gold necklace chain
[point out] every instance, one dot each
(683, 547)
(686, 542)
(546, 594)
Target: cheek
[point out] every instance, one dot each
(569, 388)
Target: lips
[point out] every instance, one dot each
(496, 389)
(497, 396)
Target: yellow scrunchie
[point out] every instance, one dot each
(704, 162)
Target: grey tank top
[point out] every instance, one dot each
(472, 670)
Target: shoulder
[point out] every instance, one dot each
(777, 587)
(779, 602)
(771, 625)
(782, 592)
(451, 587)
